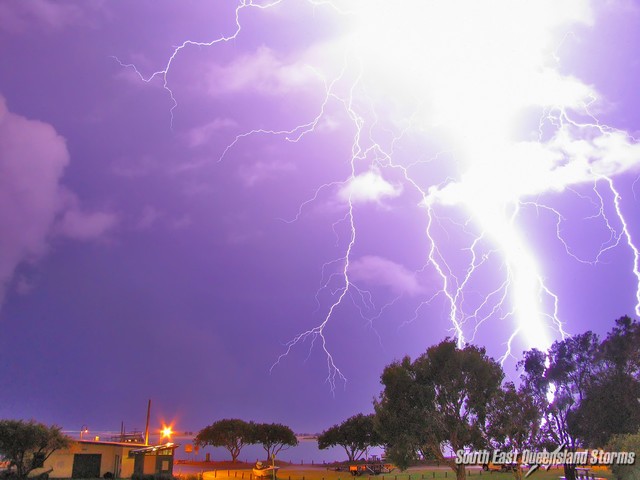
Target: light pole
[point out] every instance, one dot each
(273, 465)
(84, 429)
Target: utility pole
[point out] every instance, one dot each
(146, 429)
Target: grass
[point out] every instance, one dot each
(297, 472)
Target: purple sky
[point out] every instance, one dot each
(158, 250)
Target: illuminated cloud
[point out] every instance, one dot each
(374, 270)
(527, 169)
(258, 172)
(133, 168)
(19, 16)
(33, 203)
(262, 72)
(149, 217)
(80, 225)
(201, 135)
(368, 187)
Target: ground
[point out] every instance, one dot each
(241, 471)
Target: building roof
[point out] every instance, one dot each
(153, 448)
(104, 442)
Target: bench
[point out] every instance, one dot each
(584, 474)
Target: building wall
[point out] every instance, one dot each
(126, 464)
(149, 464)
(61, 461)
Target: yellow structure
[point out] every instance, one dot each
(97, 459)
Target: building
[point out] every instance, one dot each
(97, 459)
(153, 459)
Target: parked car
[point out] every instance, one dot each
(501, 467)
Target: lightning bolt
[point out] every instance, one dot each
(465, 82)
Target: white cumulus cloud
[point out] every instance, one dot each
(368, 187)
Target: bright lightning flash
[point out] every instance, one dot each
(467, 70)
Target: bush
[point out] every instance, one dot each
(628, 443)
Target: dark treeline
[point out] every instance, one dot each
(583, 392)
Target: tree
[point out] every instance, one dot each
(514, 422)
(626, 443)
(609, 408)
(620, 348)
(27, 445)
(232, 434)
(355, 435)
(610, 405)
(273, 437)
(403, 417)
(564, 374)
(438, 401)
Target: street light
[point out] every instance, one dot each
(84, 429)
(167, 432)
